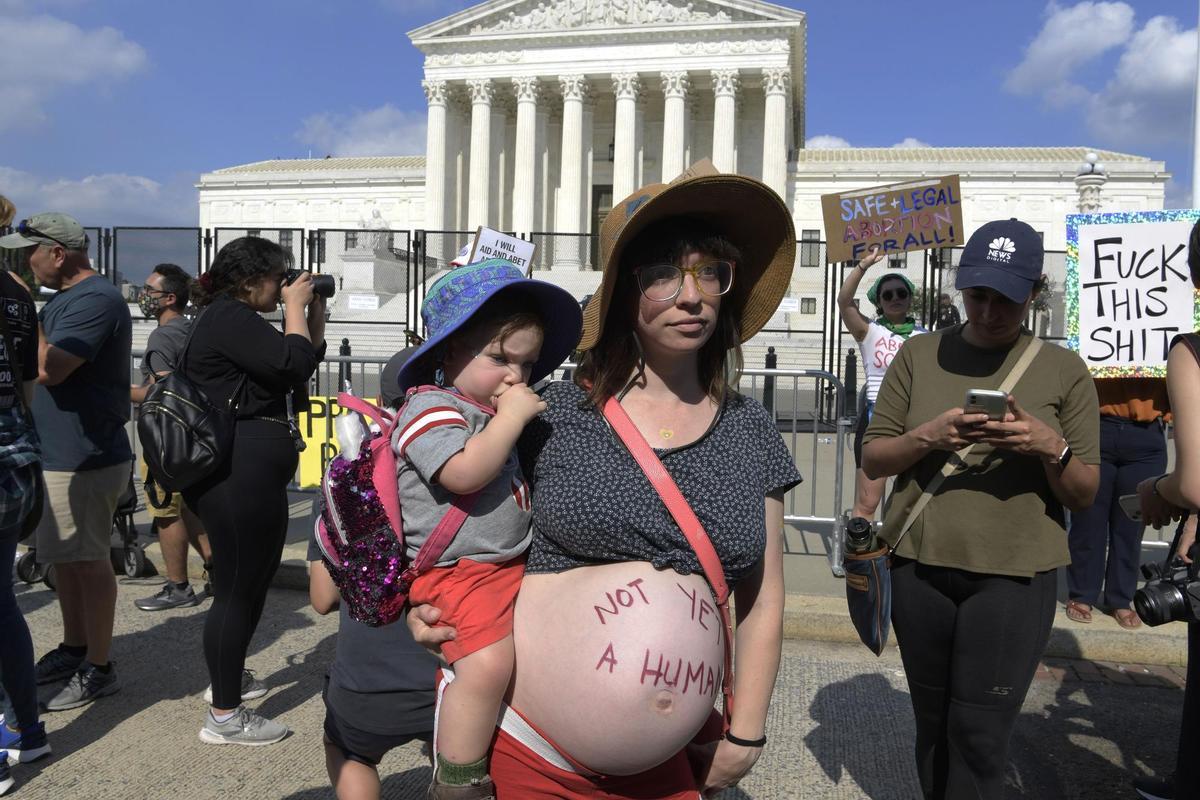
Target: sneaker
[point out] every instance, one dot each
(6, 778)
(86, 685)
(169, 596)
(24, 746)
(57, 665)
(1155, 788)
(244, 727)
(252, 688)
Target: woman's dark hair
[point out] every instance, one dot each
(1194, 254)
(605, 369)
(177, 282)
(237, 265)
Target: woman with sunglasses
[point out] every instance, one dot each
(878, 341)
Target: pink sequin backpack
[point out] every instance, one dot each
(360, 531)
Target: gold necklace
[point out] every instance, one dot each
(666, 433)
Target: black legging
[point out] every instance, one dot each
(244, 508)
(970, 644)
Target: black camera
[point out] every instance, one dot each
(1171, 593)
(323, 285)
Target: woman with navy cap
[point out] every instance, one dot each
(974, 568)
(878, 341)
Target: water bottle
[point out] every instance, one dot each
(860, 536)
(350, 431)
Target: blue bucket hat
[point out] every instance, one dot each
(458, 295)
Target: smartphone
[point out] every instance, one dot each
(1131, 504)
(986, 401)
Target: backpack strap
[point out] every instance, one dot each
(440, 538)
(691, 526)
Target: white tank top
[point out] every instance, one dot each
(878, 348)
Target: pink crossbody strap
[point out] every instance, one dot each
(687, 521)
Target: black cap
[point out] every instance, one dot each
(389, 380)
(1005, 255)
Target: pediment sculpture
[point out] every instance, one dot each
(566, 14)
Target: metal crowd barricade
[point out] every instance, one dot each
(809, 408)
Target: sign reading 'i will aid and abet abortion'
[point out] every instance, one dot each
(915, 215)
(1128, 289)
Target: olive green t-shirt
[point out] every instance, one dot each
(996, 514)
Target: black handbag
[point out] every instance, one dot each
(30, 523)
(184, 436)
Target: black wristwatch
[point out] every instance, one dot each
(1064, 457)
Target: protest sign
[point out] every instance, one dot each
(316, 428)
(494, 244)
(1128, 290)
(915, 215)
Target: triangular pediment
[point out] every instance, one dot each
(537, 16)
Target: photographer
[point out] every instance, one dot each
(237, 356)
(1169, 497)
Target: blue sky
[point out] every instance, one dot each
(112, 109)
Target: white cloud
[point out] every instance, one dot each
(42, 55)
(103, 200)
(383, 131)
(826, 141)
(1146, 99)
(1071, 37)
(1149, 98)
(910, 143)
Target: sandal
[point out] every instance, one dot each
(1079, 612)
(1127, 618)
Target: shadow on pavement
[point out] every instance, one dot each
(408, 785)
(166, 662)
(856, 736)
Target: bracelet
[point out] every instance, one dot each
(729, 737)
(1154, 486)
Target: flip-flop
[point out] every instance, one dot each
(1079, 612)
(1127, 618)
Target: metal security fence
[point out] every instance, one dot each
(374, 270)
(290, 239)
(136, 251)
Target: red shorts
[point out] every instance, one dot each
(521, 774)
(475, 598)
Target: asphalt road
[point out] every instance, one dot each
(840, 724)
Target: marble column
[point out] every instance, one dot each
(570, 192)
(525, 170)
(435, 157)
(675, 86)
(482, 92)
(543, 188)
(725, 88)
(776, 86)
(626, 86)
(500, 171)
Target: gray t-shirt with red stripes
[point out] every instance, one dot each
(432, 427)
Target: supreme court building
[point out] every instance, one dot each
(542, 112)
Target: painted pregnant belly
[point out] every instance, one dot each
(618, 664)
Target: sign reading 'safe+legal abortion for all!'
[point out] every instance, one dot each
(1128, 289)
(916, 215)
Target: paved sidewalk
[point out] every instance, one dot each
(840, 724)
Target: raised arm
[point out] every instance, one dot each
(854, 320)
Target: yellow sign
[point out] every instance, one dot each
(317, 429)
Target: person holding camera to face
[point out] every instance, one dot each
(238, 358)
(1176, 594)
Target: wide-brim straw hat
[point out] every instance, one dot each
(747, 212)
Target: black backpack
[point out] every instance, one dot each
(184, 437)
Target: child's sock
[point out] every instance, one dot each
(460, 774)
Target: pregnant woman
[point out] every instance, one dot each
(619, 643)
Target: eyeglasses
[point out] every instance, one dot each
(25, 229)
(889, 294)
(663, 282)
